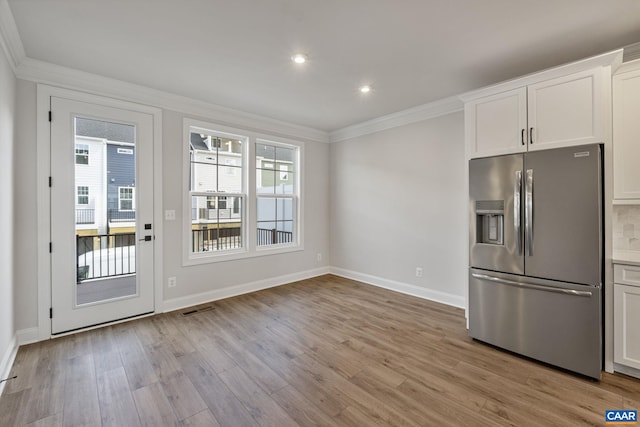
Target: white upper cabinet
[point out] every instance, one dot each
(496, 124)
(559, 107)
(626, 134)
(566, 111)
(560, 112)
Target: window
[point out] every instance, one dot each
(276, 193)
(284, 173)
(216, 180)
(83, 195)
(82, 154)
(125, 198)
(230, 170)
(243, 193)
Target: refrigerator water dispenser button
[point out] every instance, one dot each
(490, 221)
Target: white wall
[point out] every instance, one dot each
(398, 201)
(212, 277)
(7, 235)
(194, 282)
(26, 218)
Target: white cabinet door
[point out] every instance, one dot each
(626, 301)
(566, 111)
(497, 124)
(626, 135)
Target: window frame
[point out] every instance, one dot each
(80, 146)
(78, 195)
(133, 198)
(249, 198)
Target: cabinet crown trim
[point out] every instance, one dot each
(613, 59)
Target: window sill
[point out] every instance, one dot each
(191, 260)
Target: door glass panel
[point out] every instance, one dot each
(105, 210)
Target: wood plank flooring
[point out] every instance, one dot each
(321, 352)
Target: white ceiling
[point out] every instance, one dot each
(236, 53)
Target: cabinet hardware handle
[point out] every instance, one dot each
(530, 135)
(522, 136)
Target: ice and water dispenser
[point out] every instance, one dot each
(490, 222)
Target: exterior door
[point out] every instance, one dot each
(101, 214)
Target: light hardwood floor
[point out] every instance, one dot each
(321, 352)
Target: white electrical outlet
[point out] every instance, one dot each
(170, 215)
(171, 282)
(418, 271)
(319, 257)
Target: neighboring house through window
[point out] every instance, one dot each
(83, 195)
(218, 162)
(82, 154)
(215, 162)
(125, 198)
(276, 193)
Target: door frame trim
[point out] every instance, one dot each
(43, 201)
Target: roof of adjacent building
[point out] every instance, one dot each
(107, 130)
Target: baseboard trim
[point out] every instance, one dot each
(627, 370)
(7, 361)
(27, 336)
(232, 291)
(405, 288)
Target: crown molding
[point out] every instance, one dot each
(631, 52)
(43, 72)
(56, 75)
(613, 59)
(629, 66)
(9, 37)
(400, 118)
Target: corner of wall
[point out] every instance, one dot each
(8, 83)
(404, 288)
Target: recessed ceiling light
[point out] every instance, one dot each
(365, 89)
(299, 58)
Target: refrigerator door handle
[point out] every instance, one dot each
(532, 286)
(528, 217)
(516, 211)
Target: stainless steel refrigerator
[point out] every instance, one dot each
(536, 255)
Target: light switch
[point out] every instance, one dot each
(170, 215)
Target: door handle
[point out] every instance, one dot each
(528, 216)
(146, 239)
(530, 135)
(532, 286)
(516, 211)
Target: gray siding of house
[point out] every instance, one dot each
(120, 173)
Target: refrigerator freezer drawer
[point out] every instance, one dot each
(552, 322)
